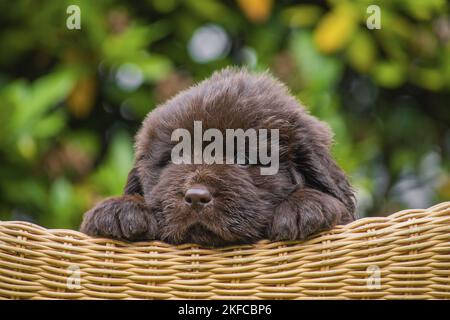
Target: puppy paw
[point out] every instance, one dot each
(305, 214)
(124, 218)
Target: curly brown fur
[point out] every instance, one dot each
(309, 193)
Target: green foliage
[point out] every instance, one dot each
(71, 100)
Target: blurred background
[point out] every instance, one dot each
(72, 100)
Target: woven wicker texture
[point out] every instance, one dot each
(409, 252)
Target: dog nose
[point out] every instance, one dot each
(197, 196)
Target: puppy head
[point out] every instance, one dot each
(220, 204)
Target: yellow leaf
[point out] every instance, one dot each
(81, 99)
(256, 10)
(336, 28)
(27, 146)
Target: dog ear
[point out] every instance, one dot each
(313, 160)
(133, 185)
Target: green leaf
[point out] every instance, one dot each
(34, 101)
(317, 70)
(389, 74)
(362, 52)
(154, 67)
(49, 126)
(111, 176)
(209, 9)
(60, 199)
(301, 15)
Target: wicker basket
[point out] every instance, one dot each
(403, 256)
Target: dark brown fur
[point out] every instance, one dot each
(310, 193)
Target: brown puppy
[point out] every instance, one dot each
(220, 204)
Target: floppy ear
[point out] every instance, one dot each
(312, 159)
(133, 185)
